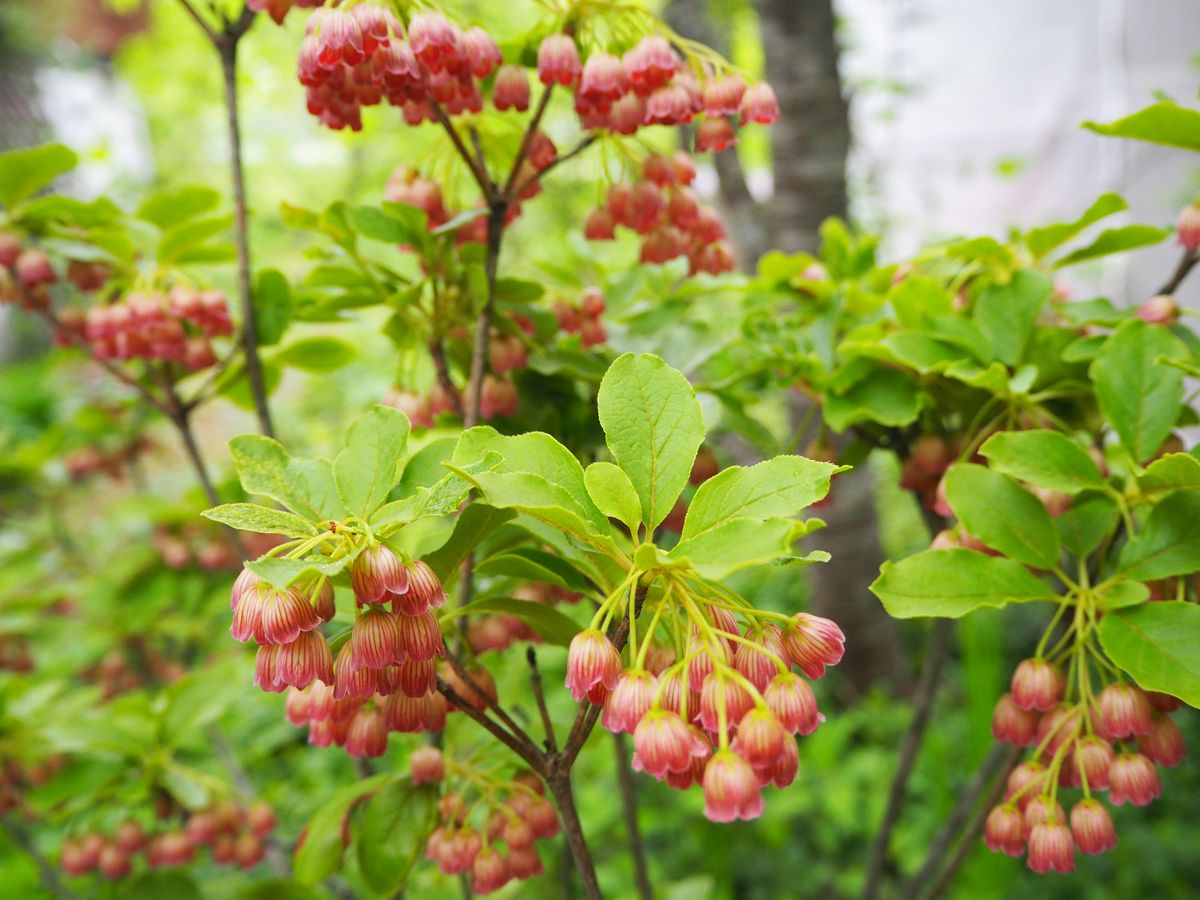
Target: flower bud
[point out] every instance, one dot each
(731, 789)
(1125, 711)
(558, 60)
(427, 765)
(629, 701)
(524, 862)
(511, 89)
(1038, 685)
(419, 637)
(1094, 756)
(1012, 724)
(1023, 783)
(1159, 310)
(1003, 831)
(1133, 779)
(375, 573)
(1164, 743)
(367, 735)
(1092, 826)
(813, 643)
(1189, 227)
(1051, 848)
(714, 135)
(761, 738)
(591, 660)
(759, 104)
(792, 701)
(375, 641)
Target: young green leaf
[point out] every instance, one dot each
(1171, 472)
(282, 573)
(316, 354)
(613, 493)
(272, 306)
(998, 511)
(1160, 123)
(320, 855)
(304, 486)
(885, 396)
(1045, 458)
(531, 564)
(952, 583)
(25, 172)
(262, 519)
(1158, 644)
(475, 523)
(1007, 312)
(1138, 396)
(1041, 241)
(370, 465)
(1115, 240)
(1168, 543)
(390, 833)
(1120, 593)
(553, 627)
(653, 426)
(735, 544)
(1089, 520)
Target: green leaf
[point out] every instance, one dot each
(25, 172)
(1045, 458)
(1139, 397)
(369, 467)
(653, 427)
(1089, 520)
(186, 236)
(614, 493)
(272, 306)
(317, 354)
(476, 522)
(170, 207)
(998, 511)
(395, 223)
(740, 543)
(1171, 472)
(321, 853)
(304, 486)
(282, 573)
(952, 583)
(1120, 593)
(391, 833)
(1041, 241)
(1007, 312)
(918, 298)
(1161, 123)
(885, 396)
(539, 476)
(1115, 240)
(262, 519)
(196, 700)
(1158, 644)
(1169, 541)
(553, 627)
(531, 564)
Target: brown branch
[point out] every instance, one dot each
(535, 679)
(935, 654)
(560, 786)
(49, 874)
(972, 832)
(205, 391)
(637, 849)
(199, 20)
(527, 141)
(1186, 263)
(226, 45)
(77, 341)
(479, 351)
(1001, 759)
(516, 730)
(558, 160)
(437, 350)
(535, 760)
(480, 175)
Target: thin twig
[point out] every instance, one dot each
(199, 20)
(526, 142)
(516, 730)
(637, 849)
(483, 328)
(935, 654)
(49, 874)
(1186, 263)
(226, 45)
(534, 759)
(557, 161)
(108, 365)
(972, 832)
(535, 679)
(480, 175)
(1001, 758)
(437, 350)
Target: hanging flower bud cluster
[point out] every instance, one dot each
(667, 214)
(235, 835)
(112, 462)
(177, 326)
(717, 705)
(383, 677)
(583, 318)
(1109, 742)
(364, 56)
(488, 828)
(183, 547)
(26, 273)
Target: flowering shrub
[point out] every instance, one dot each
(388, 587)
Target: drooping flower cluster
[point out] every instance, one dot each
(488, 827)
(430, 68)
(719, 705)
(181, 547)
(111, 461)
(384, 675)
(667, 214)
(1113, 741)
(234, 834)
(177, 326)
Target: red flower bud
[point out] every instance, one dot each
(427, 765)
(1125, 711)
(731, 789)
(511, 89)
(1093, 827)
(1036, 684)
(1133, 779)
(558, 60)
(759, 104)
(591, 660)
(1189, 227)
(1012, 724)
(1003, 831)
(1164, 743)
